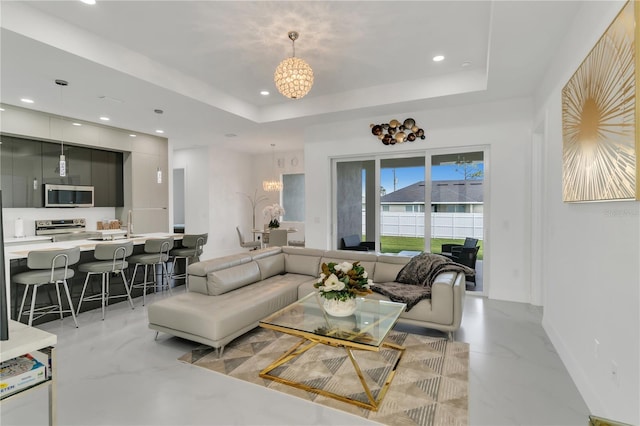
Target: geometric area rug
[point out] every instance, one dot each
(430, 386)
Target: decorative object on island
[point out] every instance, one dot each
(273, 184)
(273, 213)
(255, 200)
(294, 76)
(599, 110)
(339, 284)
(396, 132)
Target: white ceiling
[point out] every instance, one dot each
(205, 62)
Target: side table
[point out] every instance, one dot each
(29, 340)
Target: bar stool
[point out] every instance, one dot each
(48, 267)
(156, 252)
(192, 245)
(110, 259)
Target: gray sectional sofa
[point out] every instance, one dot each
(229, 295)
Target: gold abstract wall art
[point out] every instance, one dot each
(599, 115)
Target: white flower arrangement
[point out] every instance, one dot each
(273, 213)
(343, 281)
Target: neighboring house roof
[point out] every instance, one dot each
(442, 192)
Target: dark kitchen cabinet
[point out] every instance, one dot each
(78, 159)
(21, 172)
(6, 171)
(106, 178)
(26, 165)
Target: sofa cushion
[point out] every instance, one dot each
(271, 265)
(225, 280)
(367, 260)
(202, 268)
(302, 264)
(211, 320)
(307, 287)
(265, 252)
(387, 268)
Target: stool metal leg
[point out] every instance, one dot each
(33, 304)
(73, 314)
(59, 300)
(144, 288)
(24, 298)
(102, 298)
(126, 287)
(166, 275)
(84, 288)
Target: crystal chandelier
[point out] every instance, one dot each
(294, 76)
(274, 184)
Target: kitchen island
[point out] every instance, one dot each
(16, 261)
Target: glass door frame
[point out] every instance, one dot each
(428, 154)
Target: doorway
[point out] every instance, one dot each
(178, 201)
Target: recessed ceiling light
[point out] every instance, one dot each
(264, 92)
(438, 58)
(76, 124)
(105, 118)
(159, 131)
(132, 135)
(466, 64)
(230, 135)
(27, 101)
(1, 109)
(91, 2)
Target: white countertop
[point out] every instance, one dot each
(20, 251)
(26, 239)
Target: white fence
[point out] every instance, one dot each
(443, 225)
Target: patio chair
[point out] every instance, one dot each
(352, 242)
(449, 249)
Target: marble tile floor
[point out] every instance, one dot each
(112, 372)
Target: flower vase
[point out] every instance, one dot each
(274, 224)
(340, 308)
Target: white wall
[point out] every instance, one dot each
(503, 127)
(217, 181)
(591, 253)
(212, 204)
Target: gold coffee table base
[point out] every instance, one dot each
(307, 343)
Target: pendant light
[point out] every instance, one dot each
(62, 164)
(294, 76)
(273, 185)
(159, 130)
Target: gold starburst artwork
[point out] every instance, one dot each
(599, 116)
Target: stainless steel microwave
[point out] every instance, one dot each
(68, 196)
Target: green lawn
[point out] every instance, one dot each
(396, 244)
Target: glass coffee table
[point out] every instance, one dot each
(365, 330)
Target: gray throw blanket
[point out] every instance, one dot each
(414, 281)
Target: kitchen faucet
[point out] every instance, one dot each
(129, 223)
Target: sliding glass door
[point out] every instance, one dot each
(403, 206)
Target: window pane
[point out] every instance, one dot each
(402, 218)
(293, 197)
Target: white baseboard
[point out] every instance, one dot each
(578, 375)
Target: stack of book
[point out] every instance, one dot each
(20, 373)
